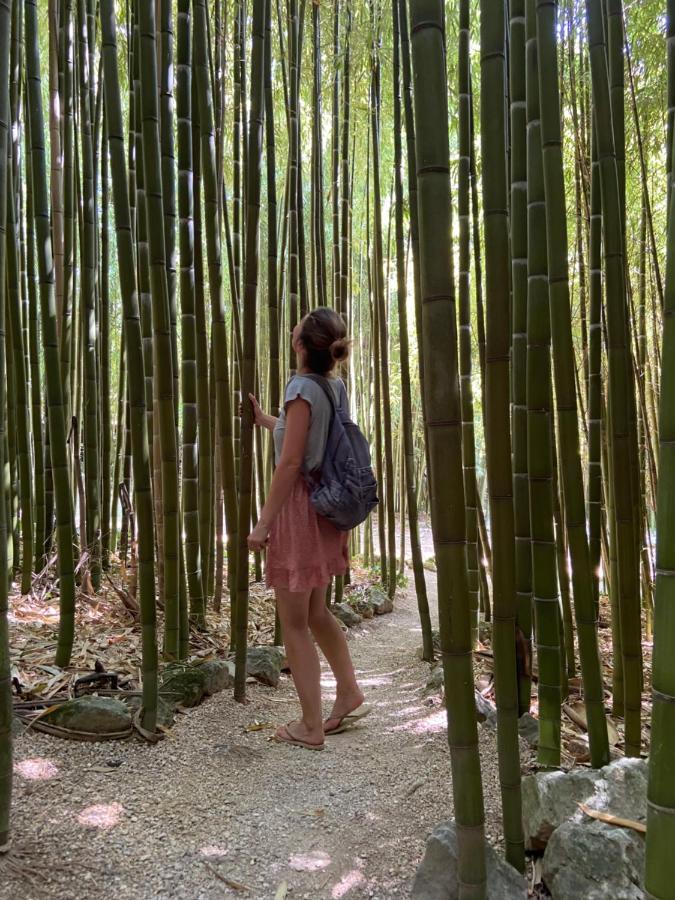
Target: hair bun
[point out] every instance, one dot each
(339, 349)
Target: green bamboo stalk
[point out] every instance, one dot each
(6, 767)
(251, 274)
(443, 409)
(105, 373)
(190, 471)
(56, 412)
(622, 418)
(408, 449)
(134, 354)
(161, 326)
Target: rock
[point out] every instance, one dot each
(485, 710)
(435, 679)
(550, 799)
(219, 675)
(485, 632)
(381, 603)
(18, 726)
(183, 685)
(346, 614)
(264, 664)
(364, 608)
(102, 716)
(528, 728)
(165, 710)
(595, 861)
(436, 877)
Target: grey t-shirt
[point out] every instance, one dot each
(320, 413)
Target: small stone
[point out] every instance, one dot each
(91, 715)
(183, 685)
(264, 664)
(346, 614)
(437, 874)
(435, 679)
(485, 710)
(380, 601)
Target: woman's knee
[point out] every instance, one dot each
(319, 615)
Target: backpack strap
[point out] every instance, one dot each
(327, 389)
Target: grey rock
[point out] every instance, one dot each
(165, 710)
(528, 728)
(264, 664)
(346, 614)
(436, 877)
(219, 675)
(485, 710)
(183, 685)
(550, 798)
(435, 679)
(93, 715)
(382, 604)
(595, 861)
(18, 727)
(485, 632)
(364, 608)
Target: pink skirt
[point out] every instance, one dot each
(304, 550)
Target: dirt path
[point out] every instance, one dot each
(215, 811)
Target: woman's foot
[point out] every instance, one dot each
(299, 735)
(343, 707)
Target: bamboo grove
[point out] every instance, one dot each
(482, 190)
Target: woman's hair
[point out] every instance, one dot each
(324, 337)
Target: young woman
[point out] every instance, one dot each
(304, 550)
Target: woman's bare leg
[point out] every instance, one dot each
(330, 637)
(303, 661)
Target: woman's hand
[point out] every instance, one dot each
(259, 417)
(259, 536)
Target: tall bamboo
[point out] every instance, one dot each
(497, 426)
(134, 356)
(443, 409)
(165, 424)
(6, 773)
(56, 413)
(251, 274)
(622, 418)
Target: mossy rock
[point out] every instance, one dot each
(379, 600)
(364, 607)
(88, 718)
(165, 710)
(219, 675)
(430, 564)
(183, 685)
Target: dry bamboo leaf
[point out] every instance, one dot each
(282, 890)
(640, 827)
(258, 726)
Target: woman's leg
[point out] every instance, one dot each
(303, 661)
(330, 637)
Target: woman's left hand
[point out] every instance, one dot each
(258, 537)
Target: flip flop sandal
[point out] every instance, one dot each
(350, 720)
(296, 742)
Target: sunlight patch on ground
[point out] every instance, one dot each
(37, 769)
(103, 815)
(309, 862)
(435, 723)
(213, 851)
(352, 879)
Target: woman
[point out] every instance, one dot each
(304, 551)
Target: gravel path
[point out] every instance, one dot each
(216, 811)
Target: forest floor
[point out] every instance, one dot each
(218, 810)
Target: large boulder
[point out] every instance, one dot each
(595, 861)
(437, 875)
(264, 664)
(346, 614)
(183, 685)
(551, 798)
(104, 717)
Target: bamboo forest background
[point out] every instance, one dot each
(180, 182)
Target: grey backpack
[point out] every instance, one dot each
(344, 490)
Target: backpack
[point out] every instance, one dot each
(344, 490)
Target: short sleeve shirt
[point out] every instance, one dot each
(320, 415)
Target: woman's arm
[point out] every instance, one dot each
(261, 418)
(298, 416)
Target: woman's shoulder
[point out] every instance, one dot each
(302, 386)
